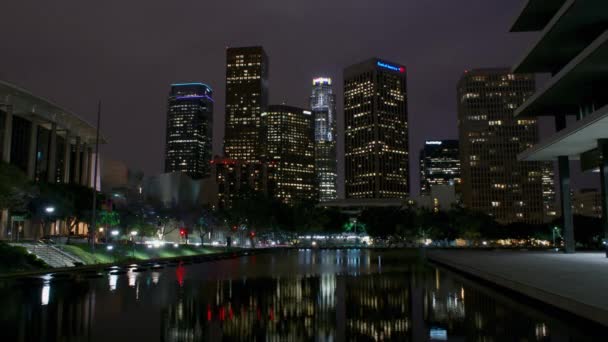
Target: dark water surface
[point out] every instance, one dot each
(306, 295)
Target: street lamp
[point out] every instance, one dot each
(555, 231)
(49, 209)
(114, 232)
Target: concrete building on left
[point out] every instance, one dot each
(49, 144)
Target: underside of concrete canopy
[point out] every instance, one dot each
(576, 24)
(582, 81)
(535, 14)
(580, 137)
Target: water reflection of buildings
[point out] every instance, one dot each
(346, 296)
(48, 313)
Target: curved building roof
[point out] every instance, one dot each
(46, 112)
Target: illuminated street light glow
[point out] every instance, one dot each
(114, 232)
(110, 247)
(49, 210)
(134, 233)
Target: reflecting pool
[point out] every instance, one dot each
(288, 295)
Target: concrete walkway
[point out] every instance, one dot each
(577, 283)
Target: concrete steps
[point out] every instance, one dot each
(50, 254)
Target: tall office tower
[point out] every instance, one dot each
(288, 135)
(189, 129)
(376, 128)
(323, 105)
(493, 181)
(246, 99)
(439, 164)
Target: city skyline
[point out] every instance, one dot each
(165, 55)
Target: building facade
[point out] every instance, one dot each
(288, 138)
(246, 99)
(49, 144)
(189, 129)
(570, 46)
(323, 107)
(587, 202)
(493, 180)
(376, 130)
(439, 164)
(234, 177)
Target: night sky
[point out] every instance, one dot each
(126, 53)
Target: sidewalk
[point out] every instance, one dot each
(577, 283)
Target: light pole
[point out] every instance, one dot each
(555, 232)
(49, 211)
(133, 235)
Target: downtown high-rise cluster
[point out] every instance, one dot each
(290, 153)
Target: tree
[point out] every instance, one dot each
(16, 191)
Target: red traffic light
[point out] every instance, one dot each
(252, 234)
(233, 227)
(182, 231)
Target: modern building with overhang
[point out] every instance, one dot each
(573, 49)
(49, 144)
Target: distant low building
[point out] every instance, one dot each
(440, 198)
(587, 202)
(120, 183)
(177, 189)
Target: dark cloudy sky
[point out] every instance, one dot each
(127, 52)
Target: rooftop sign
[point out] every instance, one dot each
(321, 80)
(390, 66)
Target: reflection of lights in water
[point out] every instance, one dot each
(132, 278)
(478, 321)
(179, 274)
(155, 277)
(541, 331)
(437, 278)
(113, 279)
(46, 293)
(328, 290)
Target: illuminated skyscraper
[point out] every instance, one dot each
(323, 105)
(493, 181)
(246, 99)
(288, 136)
(189, 129)
(376, 127)
(439, 164)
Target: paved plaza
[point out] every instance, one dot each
(577, 283)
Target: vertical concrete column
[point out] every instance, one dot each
(603, 147)
(33, 151)
(52, 164)
(4, 225)
(86, 163)
(77, 162)
(566, 203)
(8, 135)
(67, 157)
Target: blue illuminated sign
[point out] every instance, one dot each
(390, 67)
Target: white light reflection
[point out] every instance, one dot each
(155, 277)
(113, 280)
(46, 293)
(132, 278)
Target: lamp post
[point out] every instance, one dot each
(49, 211)
(555, 232)
(133, 235)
